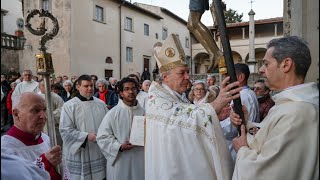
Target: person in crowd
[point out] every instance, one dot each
(79, 122)
(57, 88)
(155, 72)
(4, 110)
(142, 96)
(75, 91)
(109, 97)
(286, 146)
(113, 84)
(65, 77)
(199, 94)
(146, 85)
(9, 103)
(145, 75)
(35, 78)
(178, 132)
(25, 138)
(66, 95)
(56, 105)
(27, 85)
(265, 102)
(124, 160)
(94, 79)
(13, 74)
(211, 80)
(58, 80)
(74, 78)
(189, 88)
(248, 99)
(4, 82)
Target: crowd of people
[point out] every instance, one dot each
(190, 126)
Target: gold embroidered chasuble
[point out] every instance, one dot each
(183, 141)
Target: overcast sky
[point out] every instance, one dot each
(263, 8)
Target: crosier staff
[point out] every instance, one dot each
(45, 65)
(220, 18)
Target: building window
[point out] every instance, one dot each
(129, 54)
(128, 25)
(45, 5)
(109, 60)
(146, 29)
(99, 13)
(164, 33)
(187, 42)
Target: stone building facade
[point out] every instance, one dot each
(103, 37)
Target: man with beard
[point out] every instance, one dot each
(124, 160)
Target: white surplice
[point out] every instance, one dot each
(142, 98)
(115, 130)
(183, 141)
(12, 145)
(24, 86)
(11, 164)
(287, 144)
(78, 118)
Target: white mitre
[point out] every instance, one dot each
(170, 54)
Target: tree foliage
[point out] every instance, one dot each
(232, 16)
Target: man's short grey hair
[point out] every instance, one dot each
(67, 82)
(146, 81)
(293, 47)
(161, 75)
(111, 79)
(103, 81)
(27, 70)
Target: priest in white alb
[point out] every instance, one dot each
(79, 122)
(285, 145)
(27, 85)
(124, 160)
(25, 139)
(184, 141)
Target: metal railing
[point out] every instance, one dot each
(12, 42)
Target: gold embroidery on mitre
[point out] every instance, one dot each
(170, 52)
(172, 65)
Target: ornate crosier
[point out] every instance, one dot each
(44, 63)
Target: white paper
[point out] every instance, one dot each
(137, 131)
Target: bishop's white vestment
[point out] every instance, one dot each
(287, 144)
(115, 130)
(183, 141)
(83, 157)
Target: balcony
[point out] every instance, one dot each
(12, 42)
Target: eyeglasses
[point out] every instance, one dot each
(196, 89)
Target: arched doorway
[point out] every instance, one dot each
(201, 63)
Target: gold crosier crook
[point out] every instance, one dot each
(44, 64)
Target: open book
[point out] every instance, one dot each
(137, 131)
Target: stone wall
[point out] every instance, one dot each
(9, 59)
